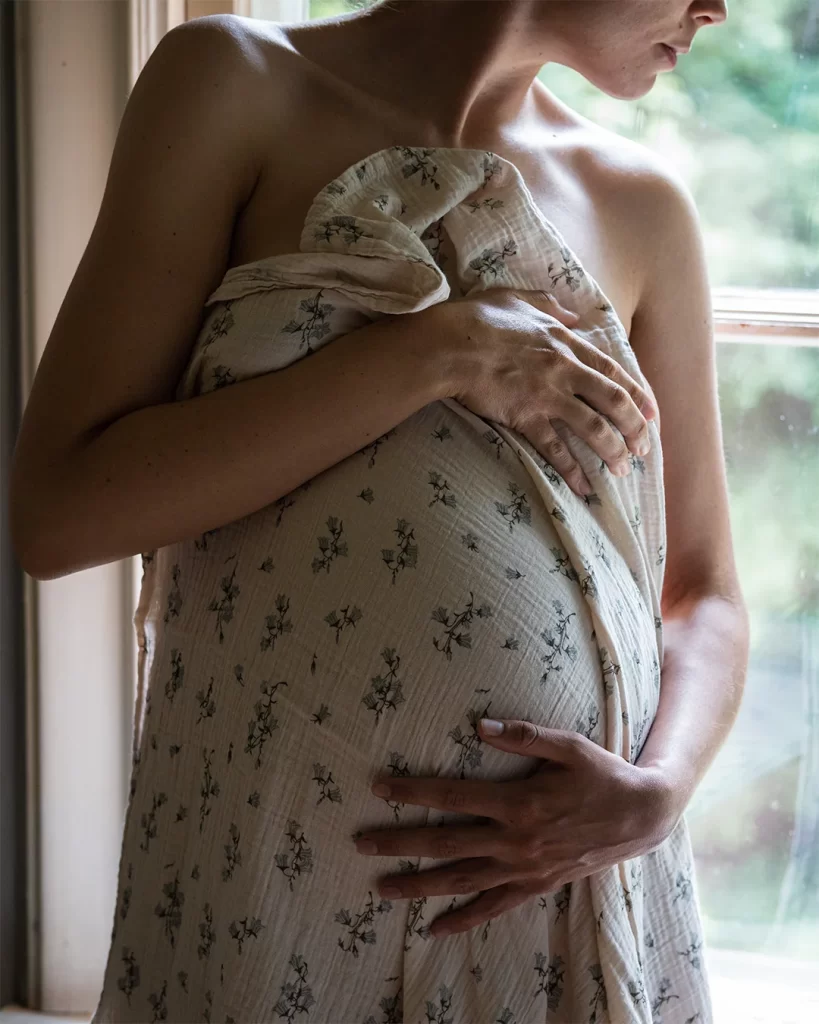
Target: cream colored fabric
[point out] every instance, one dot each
(363, 624)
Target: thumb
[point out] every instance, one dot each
(530, 740)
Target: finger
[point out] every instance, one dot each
(598, 434)
(607, 371)
(454, 880)
(463, 796)
(620, 404)
(538, 430)
(487, 906)
(437, 842)
(643, 397)
(527, 738)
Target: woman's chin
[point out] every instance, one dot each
(633, 88)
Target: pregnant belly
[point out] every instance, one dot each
(365, 622)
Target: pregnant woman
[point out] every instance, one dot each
(366, 356)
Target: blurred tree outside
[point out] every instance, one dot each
(739, 119)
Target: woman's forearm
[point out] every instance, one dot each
(170, 472)
(705, 660)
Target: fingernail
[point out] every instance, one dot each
(584, 486)
(380, 789)
(491, 727)
(366, 846)
(643, 448)
(389, 892)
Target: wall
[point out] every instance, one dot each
(73, 82)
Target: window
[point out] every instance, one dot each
(740, 120)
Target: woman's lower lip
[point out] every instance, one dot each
(671, 54)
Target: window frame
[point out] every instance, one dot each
(786, 316)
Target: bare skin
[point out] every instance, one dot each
(360, 83)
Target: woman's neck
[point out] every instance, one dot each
(462, 71)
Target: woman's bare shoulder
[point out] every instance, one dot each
(640, 193)
(268, 41)
(600, 148)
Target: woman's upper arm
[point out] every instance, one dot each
(673, 338)
(184, 163)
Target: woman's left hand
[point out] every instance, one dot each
(581, 811)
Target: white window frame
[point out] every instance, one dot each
(786, 316)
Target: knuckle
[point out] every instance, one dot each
(609, 367)
(446, 847)
(527, 808)
(554, 448)
(454, 799)
(536, 416)
(528, 732)
(619, 399)
(598, 427)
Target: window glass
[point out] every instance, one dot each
(755, 817)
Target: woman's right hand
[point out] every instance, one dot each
(518, 362)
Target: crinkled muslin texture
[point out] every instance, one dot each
(360, 626)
